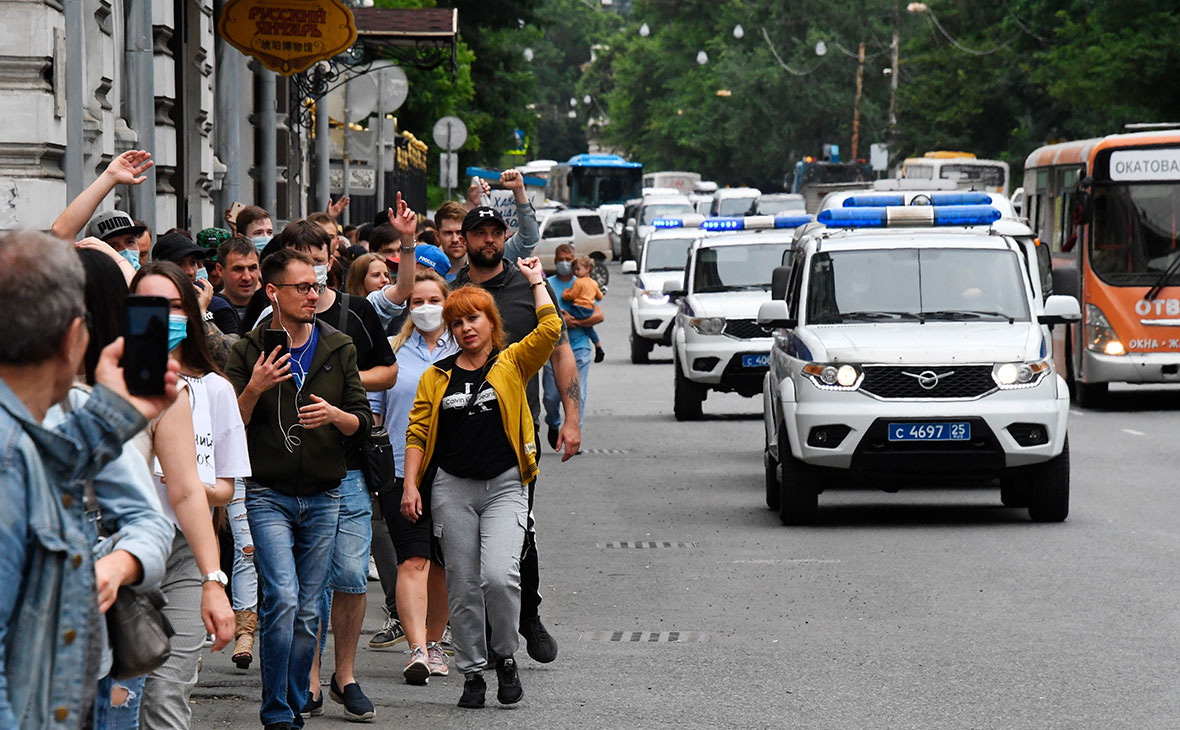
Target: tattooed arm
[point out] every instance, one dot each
(219, 344)
(565, 373)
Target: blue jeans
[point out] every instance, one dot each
(551, 396)
(350, 553)
(125, 716)
(293, 538)
(245, 578)
(583, 313)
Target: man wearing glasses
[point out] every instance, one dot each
(304, 407)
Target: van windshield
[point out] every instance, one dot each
(911, 283)
(666, 254)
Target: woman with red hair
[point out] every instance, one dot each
(470, 441)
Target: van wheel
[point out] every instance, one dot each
(1090, 395)
(600, 273)
(640, 348)
(1013, 491)
(798, 496)
(1048, 488)
(773, 485)
(687, 396)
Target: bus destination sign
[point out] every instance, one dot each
(1158, 163)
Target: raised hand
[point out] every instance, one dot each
(404, 221)
(109, 373)
(335, 209)
(511, 179)
(128, 168)
(531, 268)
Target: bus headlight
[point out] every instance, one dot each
(1100, 336)
(707, 325)
(833, 377)
(1014, 375)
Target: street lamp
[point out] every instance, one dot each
(702, 58)
(644, 30)
(738, 31)
(821, 48)
(586, 99)
(528, 55)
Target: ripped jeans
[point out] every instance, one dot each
(245, 577)
(122, 716)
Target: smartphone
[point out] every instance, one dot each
(234, 209)
(145, 349)
(272, 339)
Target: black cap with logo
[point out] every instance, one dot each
(482, 214)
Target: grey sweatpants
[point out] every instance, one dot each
(165, 704)
(480, 526)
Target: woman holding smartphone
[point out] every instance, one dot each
(471, 438)
(194, 449)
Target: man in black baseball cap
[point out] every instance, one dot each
(180, 250)
(117, 229)
(483, 230)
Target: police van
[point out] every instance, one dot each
(911, 346)
(716, 344)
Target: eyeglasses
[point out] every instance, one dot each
(304, 287)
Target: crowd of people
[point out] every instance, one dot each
(290, 354)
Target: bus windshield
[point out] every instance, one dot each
(1134, 231)
(729, 268)
(666, 254)
(591, 187)
(901, 283)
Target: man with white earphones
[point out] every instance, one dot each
(303, 405)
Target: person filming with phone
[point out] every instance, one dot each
(301, 398)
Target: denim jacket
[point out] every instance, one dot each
(45, 555)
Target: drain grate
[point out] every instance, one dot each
(643, 545)
(647, 637)
(609, 452)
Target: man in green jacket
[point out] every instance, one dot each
(303, 407)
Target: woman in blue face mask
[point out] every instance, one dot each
(195, 449)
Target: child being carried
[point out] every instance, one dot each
(582, 296)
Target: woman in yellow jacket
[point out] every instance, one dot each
(470, 441)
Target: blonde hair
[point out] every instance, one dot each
(422, 274)
(358, 271)
(585, 262)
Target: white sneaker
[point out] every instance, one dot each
(373, 574)
(417, 670)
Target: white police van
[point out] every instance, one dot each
(911, 346)
(716, 344)
(663, 258)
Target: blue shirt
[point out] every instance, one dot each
(48, 587)
(412, 360)
(579, 340)
(302, 356)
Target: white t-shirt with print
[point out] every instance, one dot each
(219, 432)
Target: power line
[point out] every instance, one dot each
(933, 20)
(783, 63)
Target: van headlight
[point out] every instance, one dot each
(1100, 336)
(830, 376)
(707, 325)
(1015, 375)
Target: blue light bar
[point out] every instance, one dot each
(723, 224)
(667, 223)
(961, 199)
(792, 221)
(874, 201)
(909, 216)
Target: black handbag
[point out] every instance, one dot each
(138, 632)
(377, 462)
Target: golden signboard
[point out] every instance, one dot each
(288, 36)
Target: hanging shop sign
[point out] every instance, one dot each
(288, 36)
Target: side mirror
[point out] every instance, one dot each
(672, 288)
(630, 267)
(1061, 309)
(1065, 281)
(774, 314)
(778, 282)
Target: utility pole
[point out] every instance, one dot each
(894, 49)
(860, 77)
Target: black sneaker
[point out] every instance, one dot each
(474, 690)
(599, 353)
(314, 707)
(541, 646)
(357, 707)
(509, 691)
(553, 438)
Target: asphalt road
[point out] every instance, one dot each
(935, 608)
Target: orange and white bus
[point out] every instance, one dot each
(1109, 208)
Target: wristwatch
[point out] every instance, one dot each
(217, 576)
(408, 249)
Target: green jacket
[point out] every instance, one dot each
(317, 463)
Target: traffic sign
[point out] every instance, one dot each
(449, 133)
(362, 99)
(393, 84)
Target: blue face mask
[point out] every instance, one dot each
(177, 330)
(132, 256)
(202, 274)
(564, 268)
(260, 242)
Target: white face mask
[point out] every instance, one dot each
(427, 317)
(321, 274)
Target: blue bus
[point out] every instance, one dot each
(588, 181)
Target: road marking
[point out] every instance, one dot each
(609, 452)
(643, 545)
(647, 637)
(1133, 432)
(788, 561)
(1076, 412)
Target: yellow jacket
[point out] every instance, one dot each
(509, 373)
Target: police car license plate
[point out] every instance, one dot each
(952, 431)
(756, 361)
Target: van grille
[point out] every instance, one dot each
(745, 329)
(956, 381)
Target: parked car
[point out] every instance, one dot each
(581, 227)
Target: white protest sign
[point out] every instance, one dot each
(505, 204)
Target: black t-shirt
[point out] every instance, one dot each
(224, 315)
(471, 442)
